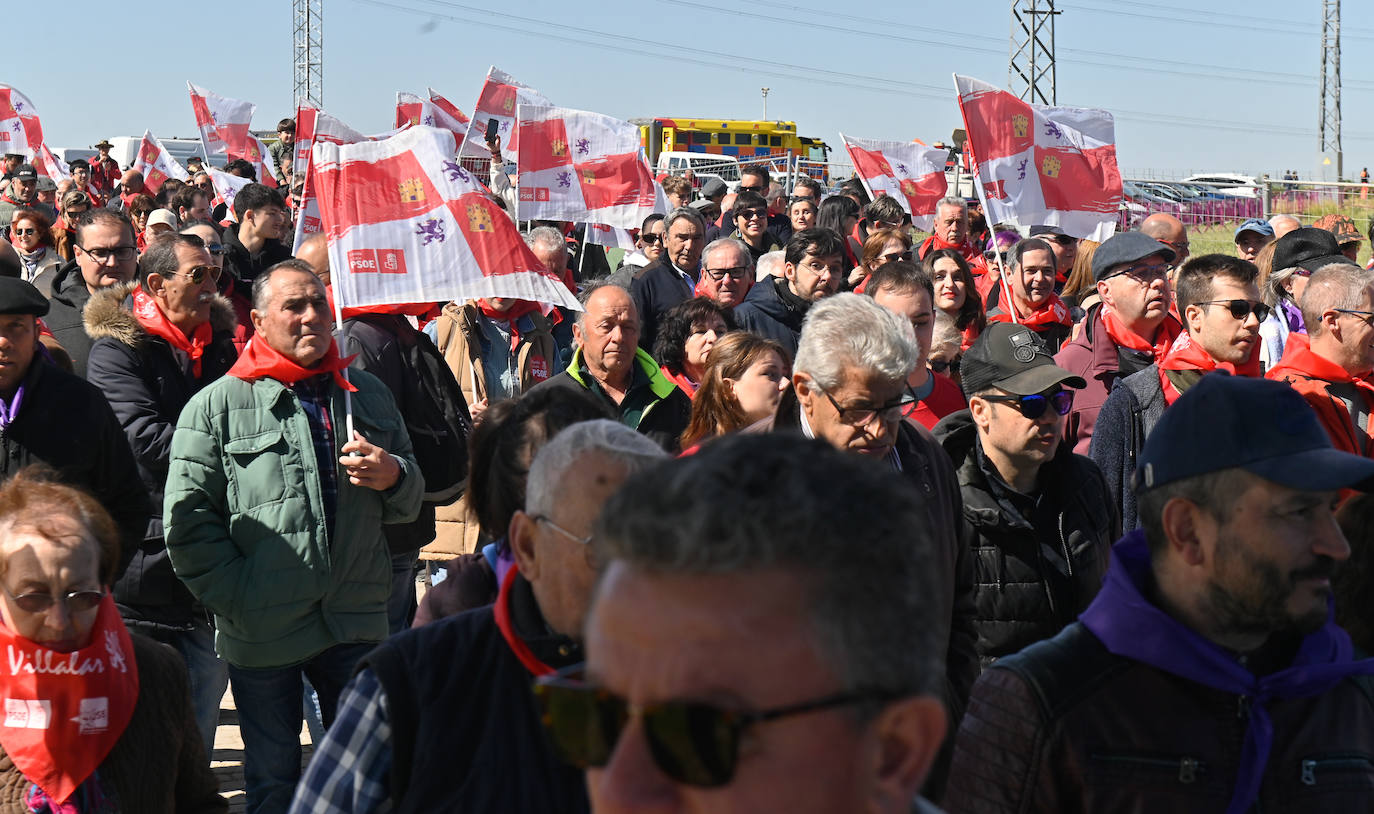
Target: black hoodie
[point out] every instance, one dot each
(69, 298)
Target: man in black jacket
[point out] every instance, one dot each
(441, 718)
(672, 278)
(257, 242)
(814, 269)
(1039, 521)
(157, 342)
(106, 255)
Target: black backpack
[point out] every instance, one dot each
(435, 413)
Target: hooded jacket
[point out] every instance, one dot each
(147, 385)
(1326, 386)
(64, 320)
(1032, 574)
(773, 315)
(246, 265)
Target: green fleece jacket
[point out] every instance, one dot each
(245, 520)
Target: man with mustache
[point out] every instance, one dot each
(1208, 674)
(1128, 331)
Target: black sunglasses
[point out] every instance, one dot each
(743, 188)
(650, 238)
(694, 744)
(747, 214)
(1240, 309)
(943, 367)
(1034, 406)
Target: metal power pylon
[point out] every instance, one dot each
(1329, 118)
(1030, 72)
(307, 52)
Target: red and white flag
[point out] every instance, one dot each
(912, 174)
(610, 236)
(156, 164)
(406, 223)
(226, 187)
(257, 154)
(582, 167)
(20, 130)
(501, 94)
(223, 122)
(1042, 165)
(50, 165)
(411, 110)
(312, 125)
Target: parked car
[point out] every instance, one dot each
(1229, 183)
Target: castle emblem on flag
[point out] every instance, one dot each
(479, 219)
(559, 148)
(412, 190)
(588, 177)
(150, 154)
(1020, 125)
(509, 104)
(1050, 167)
(909, 187)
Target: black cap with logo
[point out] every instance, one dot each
(1012, 358)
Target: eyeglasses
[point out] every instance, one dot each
(945, 367)
(1034, 406)
(197, 275)
(23, 232)
(750, 214)
(650, 238)
(75, 601)
(893, 257)
(120, 253)
(863, 416)
(735, 273)
(693, 744)
(539, 518)
(1240, 309)
(1145, 275)
(1368, 316)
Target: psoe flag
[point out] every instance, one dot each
(223, 122)
(312, 125)
(501, 94)
(610, 236)
(911, 174)
(582, 167)
(1041, 164)
(406, 223)
(156, 164)
(20, 130)
(257, 154)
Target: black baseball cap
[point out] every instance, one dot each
(25, 172)
(1012, 358)
(1264, 427)
(1307, 248)
(20, 297)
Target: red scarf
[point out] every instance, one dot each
(688, 386)
(261, 361)
(501, 609)
(1185, 354)
(1052, 311)
(513, 314)
(150, 316)
(64, 712)
(1123, 336)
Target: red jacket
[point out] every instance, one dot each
(1312, 376)
(946, 398)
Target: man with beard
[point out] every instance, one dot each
(1208, 674)
(813, 270)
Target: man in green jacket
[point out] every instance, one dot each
(274, 518)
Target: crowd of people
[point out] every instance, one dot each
(797, 513)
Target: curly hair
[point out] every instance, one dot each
(676, 327)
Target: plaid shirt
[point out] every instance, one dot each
(351, 770)
(314, 394)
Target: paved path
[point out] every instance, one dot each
(227, 761)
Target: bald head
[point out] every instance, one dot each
(1170, 231)
(131, 181)
(1283, 224)
(315, 251)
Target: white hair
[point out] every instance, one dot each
(1287, 220)
(551, 467)
(771, 265)
(546, 238)
(852, 331)
(728, 242)
(950, 200)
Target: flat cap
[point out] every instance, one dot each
(1126, 247)
(19, 297)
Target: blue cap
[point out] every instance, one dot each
(1256, 225)
(1264, 427)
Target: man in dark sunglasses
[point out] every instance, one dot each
(442, 718)
(1038, 519)
(736, 658)
(1222, 312)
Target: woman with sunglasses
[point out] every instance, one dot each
(883, 246)
(751, 224)
(956, 292)
(97, 719)
(31, 235)
(1040, 521)
(648, 248)
(140, 207)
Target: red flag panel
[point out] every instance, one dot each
(544, 145)
(1086, 180)
(999, 124)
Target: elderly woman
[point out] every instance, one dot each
(956, 292)
(96, 719)
(686, 334)
(802, 213)
(31, 234)
(1282, 292)
(744, 381)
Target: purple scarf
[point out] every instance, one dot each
(1293, 316)
(1131, 627)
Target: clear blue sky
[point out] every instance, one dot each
(1234, 87)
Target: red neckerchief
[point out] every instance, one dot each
(510, 316)
(517, 645)
(150, 316)
(1123, 336)
(64, 712)
(1052, 311)
(680, 379)
(128, 198)
(1185, 354)
(5, 196)
(261, 361)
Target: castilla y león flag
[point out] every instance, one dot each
(411, 110)
(50, 165)
(156, 164)
(256, 153)
(20, 130)
(223, 122)
(911, 174)
(1039, 164)
(406, 223)
(582, 167)
(499, 97)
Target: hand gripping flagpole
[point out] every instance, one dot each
(983, 199)
(348, 394)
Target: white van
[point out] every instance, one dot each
(124, 149)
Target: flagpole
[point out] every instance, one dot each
(338, 337)
(582, 254)
(987, 211)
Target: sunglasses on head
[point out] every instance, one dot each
(1034, 406)
(1240, 309)
(694, 744)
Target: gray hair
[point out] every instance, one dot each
(684, 212)
(781, 504)
(945, 335)
(1275, 290)
(726, 242)
(550, 470)
(770, 265)
(585, 295)
(950, 200)
(546, 238)
(1338, 286)
(851, 330)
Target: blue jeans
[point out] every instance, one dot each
(400, 606)
(208, 673)
(269, 706)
